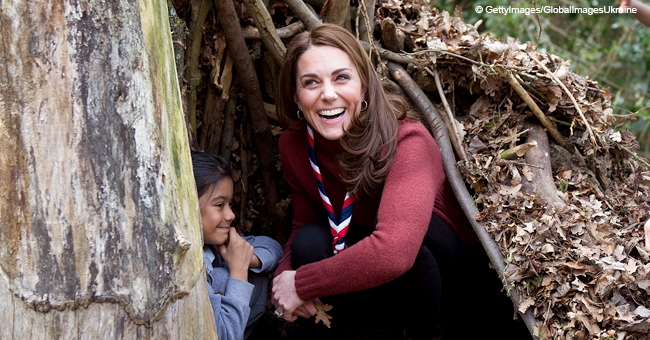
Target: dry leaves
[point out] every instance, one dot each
(579, 265)
(321, 314)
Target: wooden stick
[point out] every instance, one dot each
(536, 110)
(251, 32)
(458, 185)
(266, 28)
(573, 100)
(200, 10)
(457, 141)
(251, 88)
(300, 9)
(518, 151)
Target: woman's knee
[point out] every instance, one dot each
(312, 243)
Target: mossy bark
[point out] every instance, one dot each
(96, 186)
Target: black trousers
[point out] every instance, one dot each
(450, 287)
(410, 302)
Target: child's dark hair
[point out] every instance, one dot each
(209, 170)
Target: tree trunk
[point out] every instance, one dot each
(97, 200)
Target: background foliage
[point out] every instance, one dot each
(613, 49)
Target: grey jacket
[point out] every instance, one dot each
(238, 304)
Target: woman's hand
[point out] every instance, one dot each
(285, 298)
(647, 235)
(237, 254)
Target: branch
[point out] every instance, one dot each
(518, 150)
(635, 156)
(536, 110)
(200, 10)
(457, 141)
(300, 9)
(573, 100)
(266, 28)
(251, 32)
(453, 175)
(337, 12)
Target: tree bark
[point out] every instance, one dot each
(338, 13)
(97, 198)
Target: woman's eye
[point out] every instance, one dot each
(342, 77)
(309, 82)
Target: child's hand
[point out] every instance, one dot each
(237, 254)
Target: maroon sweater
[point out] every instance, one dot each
(415, 186)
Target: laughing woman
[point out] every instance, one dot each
(374, 215)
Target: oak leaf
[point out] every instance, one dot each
(321, 314)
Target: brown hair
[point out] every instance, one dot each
(370, 141)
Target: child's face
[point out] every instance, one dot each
(216, 213)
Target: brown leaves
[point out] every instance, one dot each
(321, 314)
(580, 267)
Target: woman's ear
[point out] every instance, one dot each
(296, 100)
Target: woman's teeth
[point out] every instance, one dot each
(331, 114)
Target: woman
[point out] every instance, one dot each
(352, 141)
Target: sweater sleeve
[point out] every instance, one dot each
(404, 213)
(267, 250)
(230, 303)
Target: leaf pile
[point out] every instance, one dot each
(579, 264)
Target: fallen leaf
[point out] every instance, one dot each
(321, 314)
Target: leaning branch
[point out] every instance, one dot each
(251, 32)
(266, 28)
(300, 9)
(467, 204)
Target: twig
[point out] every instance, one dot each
(456, 181)
(457, 140)
(251, 32)
(518, 151)
(392, 56)
(366, 18)
(266, 28)
(635, 156)
(536, 110)
(573, 100)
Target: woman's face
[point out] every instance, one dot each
(328, 90)
(216, 213)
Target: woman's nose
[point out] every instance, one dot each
(329, 92)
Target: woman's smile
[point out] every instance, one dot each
(328, 90)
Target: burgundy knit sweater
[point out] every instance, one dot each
(415, 186)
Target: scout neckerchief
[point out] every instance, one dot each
(339, 227)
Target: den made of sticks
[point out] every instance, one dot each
(100, 107)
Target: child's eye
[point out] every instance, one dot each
(220, 205)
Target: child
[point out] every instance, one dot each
(237, 267)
